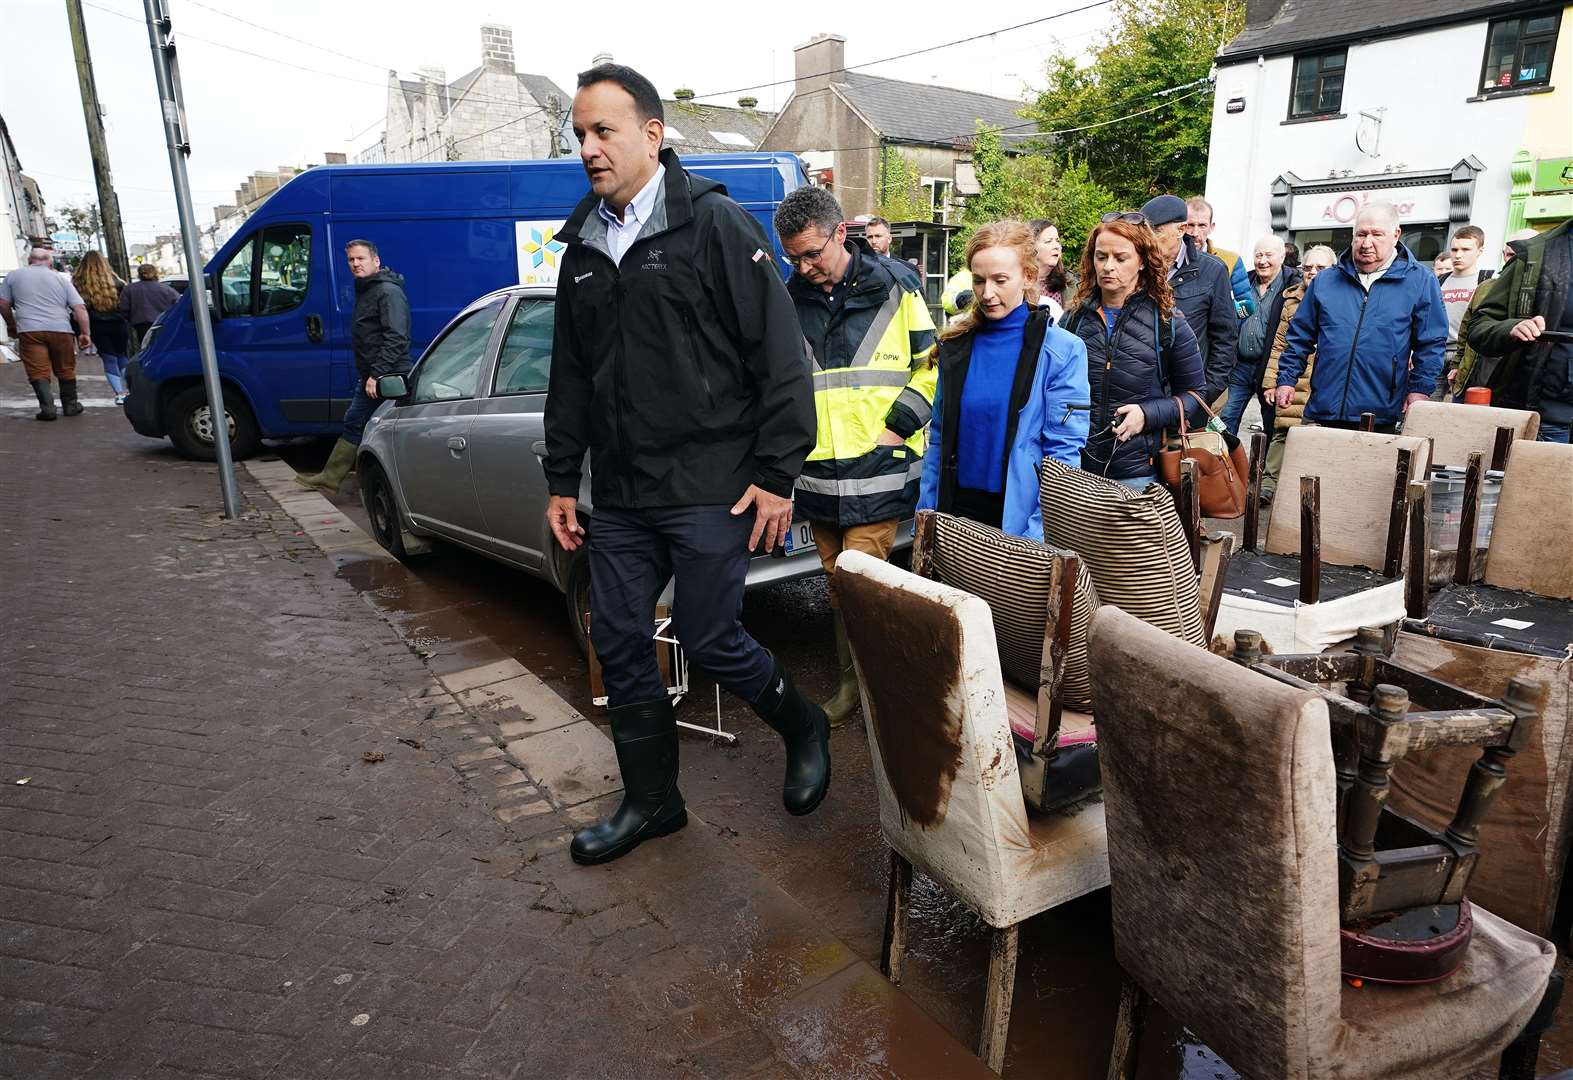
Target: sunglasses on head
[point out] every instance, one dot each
(1135, 217)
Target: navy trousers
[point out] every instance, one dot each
(360, 410)
(633, 553)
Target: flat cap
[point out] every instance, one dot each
(1164, 209)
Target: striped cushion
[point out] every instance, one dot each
(1131, 542)
(1015, 576)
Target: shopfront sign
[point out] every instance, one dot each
(1338, 209)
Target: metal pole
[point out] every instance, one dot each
(167, 72)
(108, 202)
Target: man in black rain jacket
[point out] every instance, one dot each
(678, 364)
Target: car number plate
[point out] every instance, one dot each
(799, 538)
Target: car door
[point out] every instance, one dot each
(509, 481)
(273, 296)
(431, 427)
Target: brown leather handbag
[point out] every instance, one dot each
(1221, 466)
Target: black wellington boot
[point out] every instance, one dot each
(805, 729)
(69, 405)
(646, 738)
(46, 399)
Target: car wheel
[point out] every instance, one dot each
(382, 507)
(576, 593)
(189, 422)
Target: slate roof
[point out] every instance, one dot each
(1299, 24)
(537, 86)
(924, 113)
(699, 125)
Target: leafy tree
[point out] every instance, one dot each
(84, 221)
(1150, 46)
(1031, 185)
(901, 196)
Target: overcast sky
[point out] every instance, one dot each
(247, 113)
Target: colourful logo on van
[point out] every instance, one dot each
(539, 251)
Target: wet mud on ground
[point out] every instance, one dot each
(833, 862)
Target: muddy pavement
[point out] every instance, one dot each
(834, 862)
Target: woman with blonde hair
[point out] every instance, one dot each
(109, 329)
(1012, 391)
(1142, 359)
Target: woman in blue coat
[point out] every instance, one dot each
(1142, 358)
(1012, 391)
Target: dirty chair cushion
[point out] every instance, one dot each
(1017, 577)
(1132, 544)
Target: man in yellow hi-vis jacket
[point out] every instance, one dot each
(871, 336)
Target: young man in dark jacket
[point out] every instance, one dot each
(380, 338)
(1377, 325)
(1201, 291)
(679, 365)
(1529, 298)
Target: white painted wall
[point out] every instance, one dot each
(1422, 80)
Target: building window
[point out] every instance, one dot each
(1518, 51)
(1318, 84)
(939, 199)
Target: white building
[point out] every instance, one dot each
(22, 215)
(1442, 109)
(489, 114)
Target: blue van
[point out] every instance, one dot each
(282, 295)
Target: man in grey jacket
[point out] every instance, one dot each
(380, 337)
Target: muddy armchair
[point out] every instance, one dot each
(1221, 794)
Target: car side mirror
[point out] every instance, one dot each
(392, 387)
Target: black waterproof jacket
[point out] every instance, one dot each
(1202, 292)
(1145, 361)
(380, 325)
(682, 370)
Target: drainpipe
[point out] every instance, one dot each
(1258, 111)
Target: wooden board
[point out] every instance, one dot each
(1460, 430)
(1524, 840)
(1529, 539)
(1357, 470)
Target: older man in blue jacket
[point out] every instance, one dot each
(1377, 325)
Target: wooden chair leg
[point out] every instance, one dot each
(893, 952)
(996, 997)
(1128, 1026)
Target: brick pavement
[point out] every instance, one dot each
(201, 876)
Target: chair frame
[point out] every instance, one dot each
(1373, 727)
(1408, 524)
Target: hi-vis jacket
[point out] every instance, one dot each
(871, 372)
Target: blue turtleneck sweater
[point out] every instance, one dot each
(985, 401)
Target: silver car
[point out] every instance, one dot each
(457, 455)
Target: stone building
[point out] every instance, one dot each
(252, 193)
(492, 113)
(847, 126)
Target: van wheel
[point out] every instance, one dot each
(189, 422)
(577, 594)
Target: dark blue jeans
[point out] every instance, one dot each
(633, 553)
(1242, 387)
(1553, 432)
(360, 410)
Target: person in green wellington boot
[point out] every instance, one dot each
(380, 334)
(678, 366)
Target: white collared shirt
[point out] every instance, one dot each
(622, 232)
(1366, 279)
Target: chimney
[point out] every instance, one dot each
(817, 63)
(497, 49)
(333, 157)
(682, 93)
(431, 73)
(600, 58)
(747, 102)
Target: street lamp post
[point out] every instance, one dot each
(167, 72)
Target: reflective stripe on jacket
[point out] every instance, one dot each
(871, 372)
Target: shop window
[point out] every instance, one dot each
(1519, 50)
(1318, 84)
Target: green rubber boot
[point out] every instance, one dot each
(333, 473)
(845, 701)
